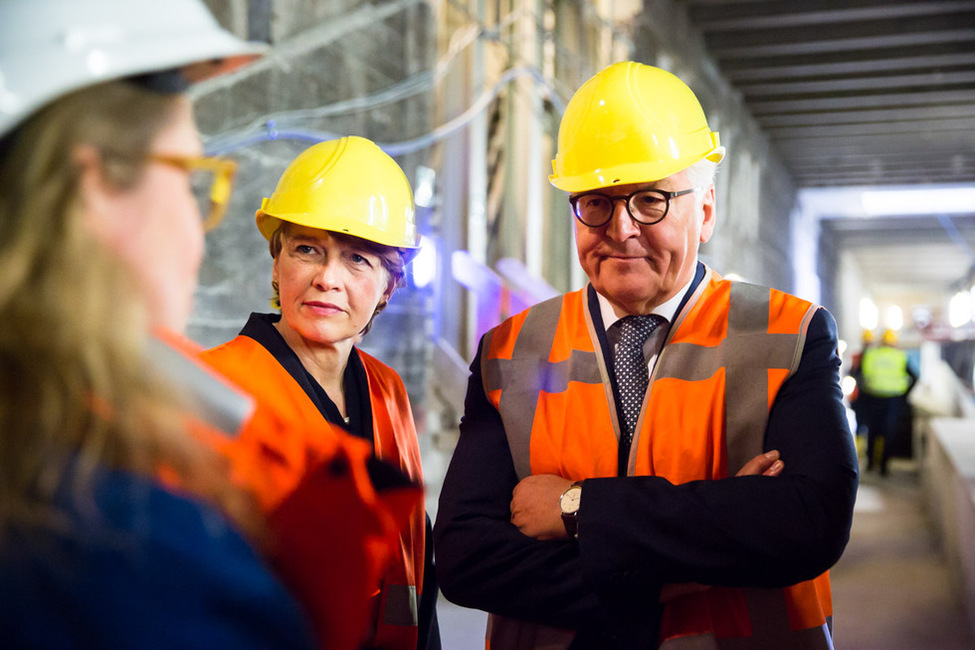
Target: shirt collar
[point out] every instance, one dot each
(667, 309)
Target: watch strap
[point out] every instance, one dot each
(571, 519)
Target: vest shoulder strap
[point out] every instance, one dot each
(759, 345)
(533, 352)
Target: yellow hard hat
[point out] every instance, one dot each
(889, 337)
(630, 123)
(348, 185)
(867, 335)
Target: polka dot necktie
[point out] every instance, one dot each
(631, 367)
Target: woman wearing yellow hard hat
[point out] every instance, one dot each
(341, 229)
(118, 528)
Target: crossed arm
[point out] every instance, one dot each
(535, 500)
(637, 533)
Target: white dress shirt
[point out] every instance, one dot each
(655, 342)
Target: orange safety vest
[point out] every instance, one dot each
(395, 590)
(726, 355)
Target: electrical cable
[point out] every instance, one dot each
(285, 125)
(224, 144)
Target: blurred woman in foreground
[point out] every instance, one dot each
(127, 519)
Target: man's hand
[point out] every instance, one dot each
(535, 506)
(767, 464)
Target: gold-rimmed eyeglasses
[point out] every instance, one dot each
(211, 180)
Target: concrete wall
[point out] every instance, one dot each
(948, 479)
(329, 66)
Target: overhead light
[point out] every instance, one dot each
(960, 309)
(937, 200)
(869, 314)
(894, 318)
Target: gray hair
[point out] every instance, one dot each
(701, 174)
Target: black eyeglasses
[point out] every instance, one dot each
(646, 207)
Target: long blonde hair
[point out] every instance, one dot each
(76, 392)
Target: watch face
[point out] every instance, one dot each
(569, 502)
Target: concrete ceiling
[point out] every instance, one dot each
(866, 94)
(909, 260)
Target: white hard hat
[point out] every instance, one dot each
(49, 48)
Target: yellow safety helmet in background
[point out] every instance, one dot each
(889, 337)
(867, 336)
(630, 123)
(348, 185)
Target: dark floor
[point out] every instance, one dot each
(890, 588)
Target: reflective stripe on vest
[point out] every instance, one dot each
(401, 605)
(725, 358)
(532, 375)
(885, 371)
(214, 401)
(747, 354)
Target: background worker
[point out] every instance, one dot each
(102, 238)
(858, 399)
(120, 525)
(887, 378)
(341, 229)
(601, 427)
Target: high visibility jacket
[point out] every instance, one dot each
(397, 585)
(884, 371)
(305, 476)
(727, 354)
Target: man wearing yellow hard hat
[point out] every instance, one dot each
(619, 478)
(341, 228)
(887, 378)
